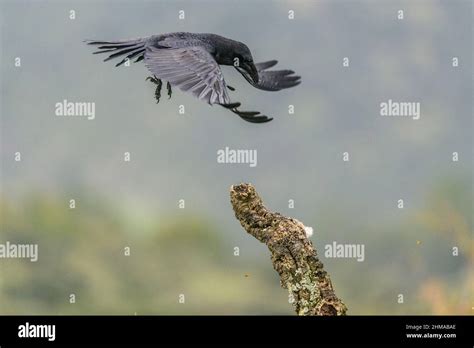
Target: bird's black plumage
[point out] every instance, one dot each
(192, 62)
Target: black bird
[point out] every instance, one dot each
(191, 62)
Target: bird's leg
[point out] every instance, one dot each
(158, 84)
(168, 87)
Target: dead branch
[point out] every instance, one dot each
(293, 256)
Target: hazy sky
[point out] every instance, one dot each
(300, 156)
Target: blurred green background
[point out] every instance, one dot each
(190, 251)
(82, 252)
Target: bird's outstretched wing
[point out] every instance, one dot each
(272, 80)
(191, 69)
(194, 70)
(131, 48)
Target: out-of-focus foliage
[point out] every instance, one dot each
(81, 252)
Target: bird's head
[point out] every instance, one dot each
(243, 61)
(235, 53)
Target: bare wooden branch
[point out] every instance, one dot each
(293, 256)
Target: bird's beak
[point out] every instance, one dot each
(252, 71)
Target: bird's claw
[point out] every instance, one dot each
(158, 84)
(153, 79)
(168, 87)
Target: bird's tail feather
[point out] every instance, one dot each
(131, 48)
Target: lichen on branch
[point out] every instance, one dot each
(292, 253)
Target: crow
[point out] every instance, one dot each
(191, 62)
